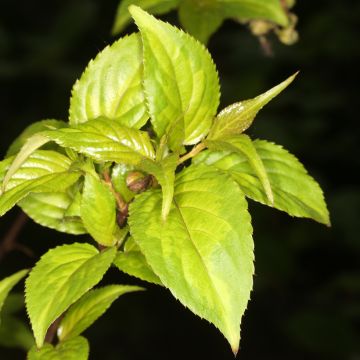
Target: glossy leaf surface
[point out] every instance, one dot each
(60, 278)
(204, 251)
(111, 86)
(44, 171)
(105, 140)
(51, 210)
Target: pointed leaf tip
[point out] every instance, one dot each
(238, 117)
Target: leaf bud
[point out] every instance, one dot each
(137, 182)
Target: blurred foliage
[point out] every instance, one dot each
(306, 302)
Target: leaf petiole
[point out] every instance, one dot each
(195, 150)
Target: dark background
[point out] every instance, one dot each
(306, 298)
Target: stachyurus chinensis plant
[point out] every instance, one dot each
(148, 167)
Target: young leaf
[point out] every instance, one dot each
(164, 171)
(111, 86)
(295, 192)
(59, 279)
(8, 283)
(73, 349)
(180, 81)
(204, 251)
(156, 7)
(98, 210)
(51, 210)
(201, 18)
(31, 130)
(270, 10)
(131, 261)
(44, 171)
(33, 143)
(89, 308)
(242, 144)
(105, 140)
(236, 118)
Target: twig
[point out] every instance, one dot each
(9, 242)
(51, 333)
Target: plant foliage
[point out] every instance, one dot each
(159, 179)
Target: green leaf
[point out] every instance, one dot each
(156, 7)
(32, 144)
(270, 10)
(89, 308)
(73, 349)
(131, 261)
(44, 171)
(180, 81)
(201, 18)
(204, 251)
(295, 192)
(51, 210)
(105, 140)
(111, 86)
(164, 171)
(242, 144)
(236, 118)
(98, 210)
(31, 130)
(14, 333)
(59, 279)
(8, 283)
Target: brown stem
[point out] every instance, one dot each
(121, 203)
(51, 333)
(9, 242)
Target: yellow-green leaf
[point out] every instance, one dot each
(8, 283)
(111, 86)
(89, 308)
(44, 171)
(180, 81)
(98, 210)
(59, 279)
(73, 349)
(294, 190)
(236, 118)
(105, 140)
(242, 144)
(156, 7)
(204, 251)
